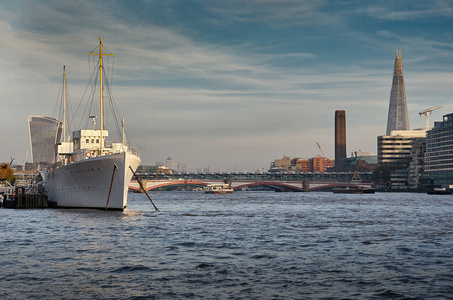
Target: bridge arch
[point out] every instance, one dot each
(174, 185)
(279, 186)
(328, 187)
(276, 186)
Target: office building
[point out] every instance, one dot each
(439, 152)
(321, 164)
(145, 170)
(170, 164)
(182, 168)
(417, 163)
(361, 162)
(397, 116)
(44, 132)
(282, 164)
(401, 151)
(303, 164)
(315, 164)
(395, 149)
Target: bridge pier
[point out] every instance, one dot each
(305, 186)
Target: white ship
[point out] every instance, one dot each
(91, 172)
(218, 189)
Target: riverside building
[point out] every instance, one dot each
(361, 162)
(398, 118)
(45, 132)
(417, 164)
(395, 149)
(315, 164)
(439, 152)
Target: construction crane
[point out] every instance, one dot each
(323, 156)
(427, 112)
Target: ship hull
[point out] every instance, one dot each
(88, 183)
(218, 192)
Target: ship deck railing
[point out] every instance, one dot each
(134, 151)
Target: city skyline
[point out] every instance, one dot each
(226, 84)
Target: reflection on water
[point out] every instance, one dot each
(246, 245)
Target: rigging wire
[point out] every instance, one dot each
(58, 101)
(68, 105)
(69, 112)
(58, 112)
(93, 73)
(114, 109)
(89, 97)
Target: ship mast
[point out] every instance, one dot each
(64, 103)
(101, 91)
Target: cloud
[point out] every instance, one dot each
(400, 11)
(273, 12)
(221, 83)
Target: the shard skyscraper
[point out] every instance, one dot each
(398, 118)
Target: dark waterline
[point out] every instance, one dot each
(247, 245)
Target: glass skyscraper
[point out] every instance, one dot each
(45, 132)
(439, 152)
(398, 118)
(394, 148)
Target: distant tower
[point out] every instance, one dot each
(170, 164)
(340, 140)
(45, 132)
(398, 118)
(182, 168)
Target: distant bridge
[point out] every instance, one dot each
(284, 182)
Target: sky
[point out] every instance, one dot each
(228, 85)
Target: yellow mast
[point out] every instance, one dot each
(101, 91)
(64, 103)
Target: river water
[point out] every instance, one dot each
(247, 245)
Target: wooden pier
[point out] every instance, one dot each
(26, 200)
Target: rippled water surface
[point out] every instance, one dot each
(248, 245)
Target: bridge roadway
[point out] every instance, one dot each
(296, 182)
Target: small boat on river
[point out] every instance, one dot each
(224, 188)
(440, 191)
(354, 190)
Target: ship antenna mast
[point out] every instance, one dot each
(122, 126)
(64, 103)
(101, 91)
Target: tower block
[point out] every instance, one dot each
(340, 140)
(398, 118)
